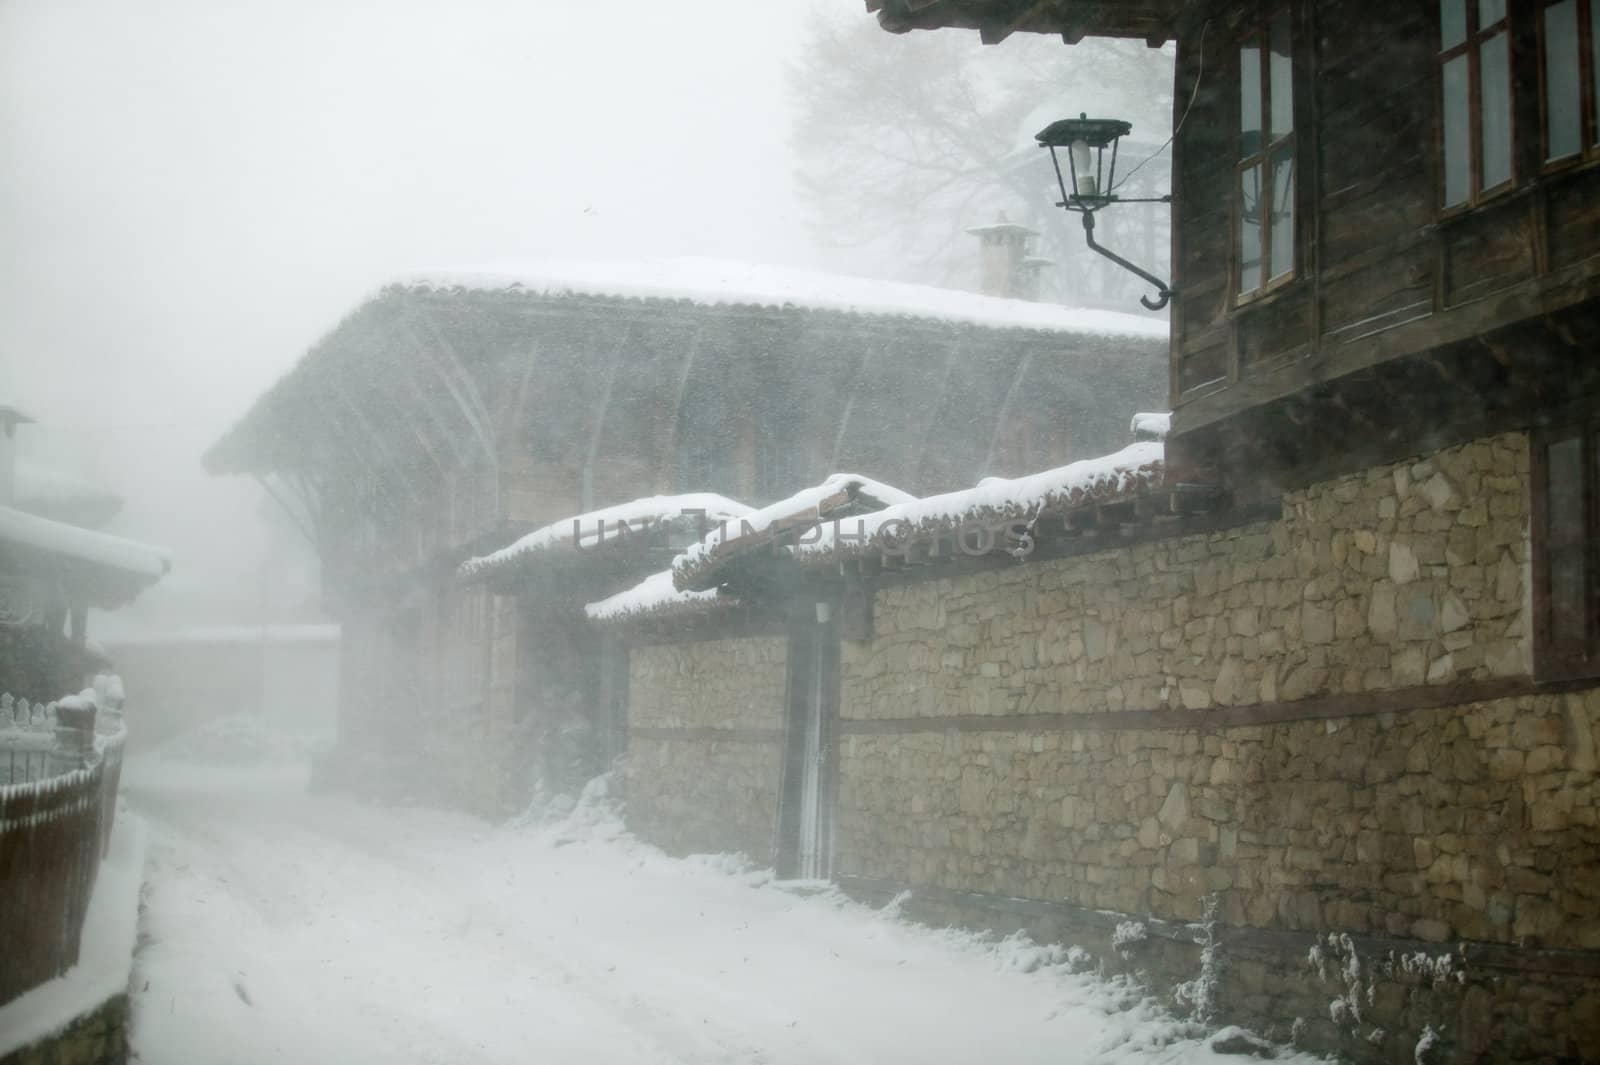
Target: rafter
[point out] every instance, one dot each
(450, 370)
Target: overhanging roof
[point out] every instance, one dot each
(1153, 21)
(106, 570)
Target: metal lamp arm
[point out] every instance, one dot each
(1163, 293)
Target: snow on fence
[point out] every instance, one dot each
(57, 805)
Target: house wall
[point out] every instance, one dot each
(177, 685)
(1376, 592)
(705, 736)
(1383, 270)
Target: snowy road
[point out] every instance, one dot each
(285, 927)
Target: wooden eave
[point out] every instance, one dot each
(1539, 304)
(293, 425)
(707, 572)
(1152, 21)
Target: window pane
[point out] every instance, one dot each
(1490, 12)
(1561, 89)
(1282, 229)
(1452, 23)
(1249, 98)
(1280, 69)
(1494, 60)
(1250, 228)
(1566, 597)
(1457, 133)
(1565, 542)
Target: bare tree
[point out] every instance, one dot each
(902, 142)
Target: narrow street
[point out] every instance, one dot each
(286, 927)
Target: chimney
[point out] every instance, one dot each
(1003, 246)
(1031, 269)
(10, 418)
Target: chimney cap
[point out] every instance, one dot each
(1002, 226)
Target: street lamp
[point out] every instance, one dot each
(1084, 141)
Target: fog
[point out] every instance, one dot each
(194, 191)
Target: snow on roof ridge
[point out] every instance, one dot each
(653, 596)
(1155, 425)
(1095, 480)
(806, 500)
(596, 526)
(87, 545)
(38, 484)
(716, 282)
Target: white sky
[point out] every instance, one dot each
(192, 191)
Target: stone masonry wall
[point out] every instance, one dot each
(1475, 822)
(1406, 574)
(1415, 829)
(1467, 822)
(722, 684)
(714, 786)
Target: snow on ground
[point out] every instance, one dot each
(284, 926)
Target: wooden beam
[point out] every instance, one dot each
(1017, 376)
(1005, 25)
(597, 429)
(450, 370)
(1317, 708)
(424, 400)
(391, 460)
(667, 441)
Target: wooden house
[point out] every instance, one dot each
(455, 413)
(1297, 714)
(1382, 242)
(53, 571)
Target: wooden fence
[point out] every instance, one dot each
(53, 833)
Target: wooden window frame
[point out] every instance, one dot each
(1551, 663)
(1259, 27)
(1588, 105)
(1471, 46)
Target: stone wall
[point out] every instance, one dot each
(1407, 574)
(725, 684)
(1409, 826)
(705, 726)
(1476, 822)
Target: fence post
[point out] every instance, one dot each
(74, 735)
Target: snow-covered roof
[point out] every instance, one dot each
(655, 596)
(1002, 226)
(41, 484)
(607, 526)
(997, 499)
(1152, 425)
(715, 282)
(84, 545)
(50, 493)
(803, 509)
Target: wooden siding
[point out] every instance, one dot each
(1384, 274)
